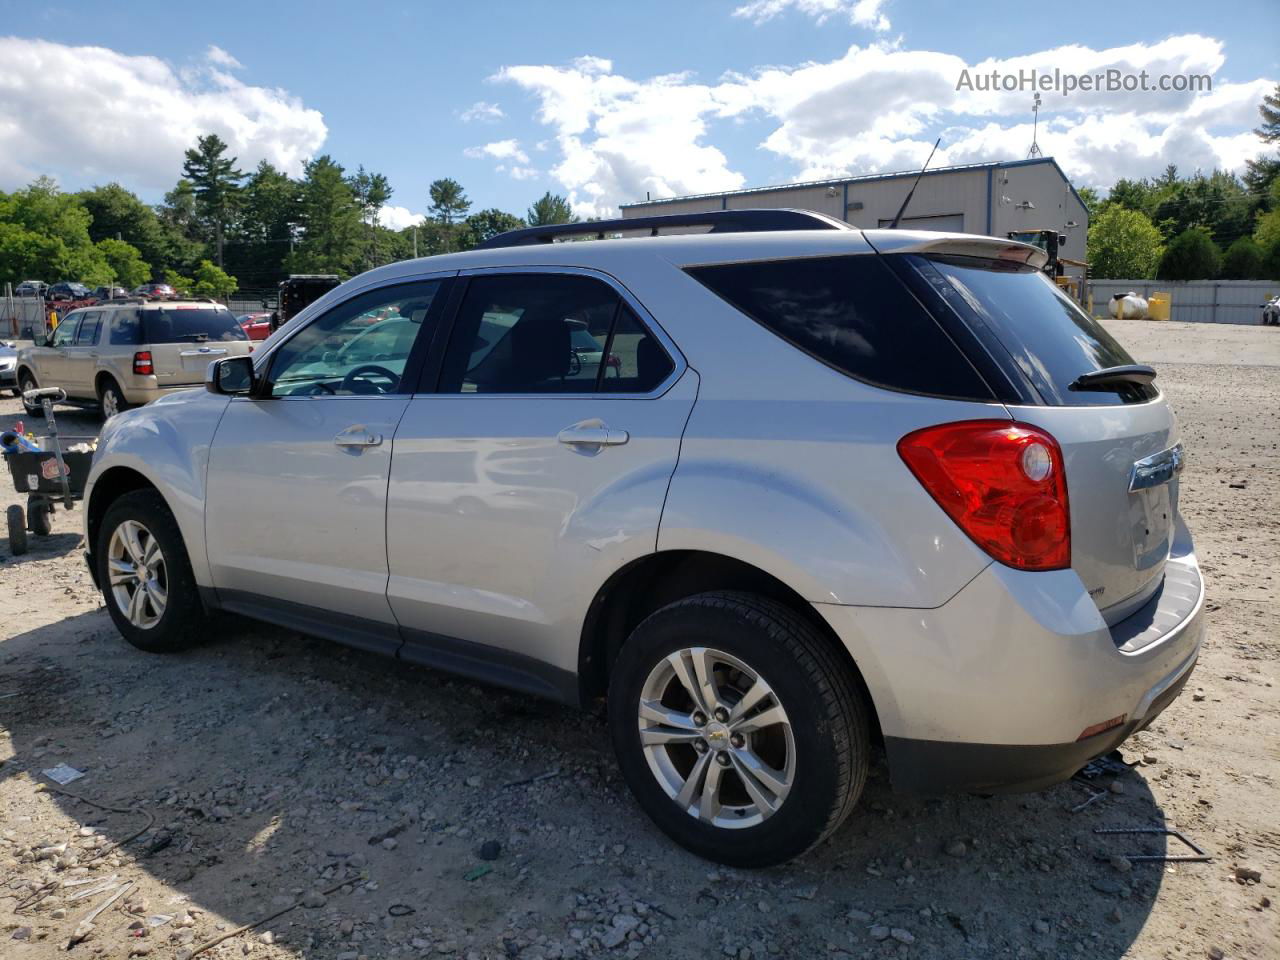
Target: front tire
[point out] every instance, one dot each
(27, 382)
(145, 574)
(739, 729)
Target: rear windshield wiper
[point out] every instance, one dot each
(1111, 377)
(197, 337)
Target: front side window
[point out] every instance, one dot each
(89, 326)
(360, 347)
(65, 335)
(547, 333)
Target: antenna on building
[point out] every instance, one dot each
(1035, 125)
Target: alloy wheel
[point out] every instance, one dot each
(110, 402)
(138, 578)
(716, 737)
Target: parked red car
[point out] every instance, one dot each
(256, 325)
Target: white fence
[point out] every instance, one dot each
(1195, 301)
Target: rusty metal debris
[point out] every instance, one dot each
(1198, 857)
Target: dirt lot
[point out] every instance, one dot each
(275, 765)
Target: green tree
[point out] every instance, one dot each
(216, 183)
(118, 214)
(371, 192)
(1123, 244)
(448, 201)
(125, 260)
(550, 209)
(1191, 255)
(180, 224)
(1243, 261)
(268, 217)
(1267, 230)
(176, 280)
(331, 227)
(1090, 198)
(211, 280)
(46, 237)
(1269, 110)
(486, 224)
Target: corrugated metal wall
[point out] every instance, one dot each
(1196, 301)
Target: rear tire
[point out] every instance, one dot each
(111, 399)
(140, 550)
(17, 524)
(807, 736)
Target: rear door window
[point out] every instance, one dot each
(89, 327)
(190, 325)
(853, 314)
(1050, 339)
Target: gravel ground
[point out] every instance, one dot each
(448, 819)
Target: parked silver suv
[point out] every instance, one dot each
(807, 490)
(121, 354)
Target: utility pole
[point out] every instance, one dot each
(415, 241)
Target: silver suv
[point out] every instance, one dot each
(806, 491)
(118, 355)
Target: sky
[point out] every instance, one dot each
(608, 103)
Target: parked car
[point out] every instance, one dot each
(118, 355)
(1271, 312)
(108, 293)
(67, 291)
(8, 366)
(154, 290)
(825, 502)
(256, 325)
(31, 288)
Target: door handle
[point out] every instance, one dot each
(595, 435)
(357, 437)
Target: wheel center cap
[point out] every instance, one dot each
(717, 735)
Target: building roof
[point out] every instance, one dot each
(865, 178)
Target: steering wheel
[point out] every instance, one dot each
(575, 363)
(356, 373)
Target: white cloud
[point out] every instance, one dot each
(498, 150)
(397, 218)
(861, 13)
(215, 54)
(68, 111)
(878, 108)
(482, 112)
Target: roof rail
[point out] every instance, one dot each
(720, 221)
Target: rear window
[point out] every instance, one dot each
(1049, 337)
(851, 313)
(190, 325)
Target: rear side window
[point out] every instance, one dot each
(853, 314)
(126, 328)
(1049, 337)
(190, 325)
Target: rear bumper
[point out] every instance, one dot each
(935, 766)
(993, 691)
(138, 395)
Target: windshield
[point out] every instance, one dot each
(190, 324)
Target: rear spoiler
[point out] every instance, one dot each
(954, 244)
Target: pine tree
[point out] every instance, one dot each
(216, 182)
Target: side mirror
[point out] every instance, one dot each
(40, 339)
(230, 376)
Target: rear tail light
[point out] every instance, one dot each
(1003, 484)
(142, 363)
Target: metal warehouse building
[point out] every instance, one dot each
(984, 198)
